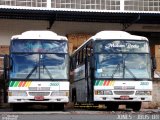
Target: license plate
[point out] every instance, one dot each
(124, 97)
(39, 98)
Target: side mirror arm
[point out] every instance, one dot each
(154, 63)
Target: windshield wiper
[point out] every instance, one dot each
(29, 75)
(125, 67)
(131, 73)
(48, 72)
(116, 69)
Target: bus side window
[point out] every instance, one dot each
(90, 55)
(89, 50)
(71, 63)
(74, 62)
(84, 53)
(78, 58)
(81, 56)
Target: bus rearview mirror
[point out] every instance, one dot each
(154, 63)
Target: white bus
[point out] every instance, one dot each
(38, 71)
(112, 68)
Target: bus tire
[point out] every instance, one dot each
(136, 106)
(51, 106)
(17, 107)
(59, 106)
(112, 107)
(14, 107)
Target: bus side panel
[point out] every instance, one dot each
(80, 84)
(81, 91)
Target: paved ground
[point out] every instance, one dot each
(78, 114)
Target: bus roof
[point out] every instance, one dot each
(49, 35)
(117, 35)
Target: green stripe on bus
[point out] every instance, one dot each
(101, 82)
(11, 83)
(16, 84)
(96, 82)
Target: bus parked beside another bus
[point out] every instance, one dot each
(38, 71)
(112, 68)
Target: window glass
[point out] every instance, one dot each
(42, 46)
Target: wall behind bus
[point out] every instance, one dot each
(9, 27)
(14, 27)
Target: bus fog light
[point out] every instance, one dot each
(17, 93)
(143, 92)
(103, 92)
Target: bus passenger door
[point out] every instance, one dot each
(88, 69)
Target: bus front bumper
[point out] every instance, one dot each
(122, 98)
(31, 99)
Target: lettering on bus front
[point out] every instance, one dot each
(126, 45)
(54, 84)
(144, 83)
(114, 46)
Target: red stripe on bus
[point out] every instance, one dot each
(20, 84)
(104, 84)
(107, 83)
(23, 84)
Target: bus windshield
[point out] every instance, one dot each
(122, 62)
(39, 66)
(39, 59)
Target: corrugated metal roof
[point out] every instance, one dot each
(75, 10)
(82, 15)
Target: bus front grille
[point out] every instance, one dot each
(39, 88)
(123, 92)
(39, 93)
(122, 87)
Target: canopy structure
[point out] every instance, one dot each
(80, 15)
(51, 15)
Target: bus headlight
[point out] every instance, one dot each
(143, 93)
(103, 92)
(60, 93)
(17, 93)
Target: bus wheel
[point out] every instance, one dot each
(17, 107)
(51, 106)
(59, 106)
(136, 106)
(112, 107)
(14, 107)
